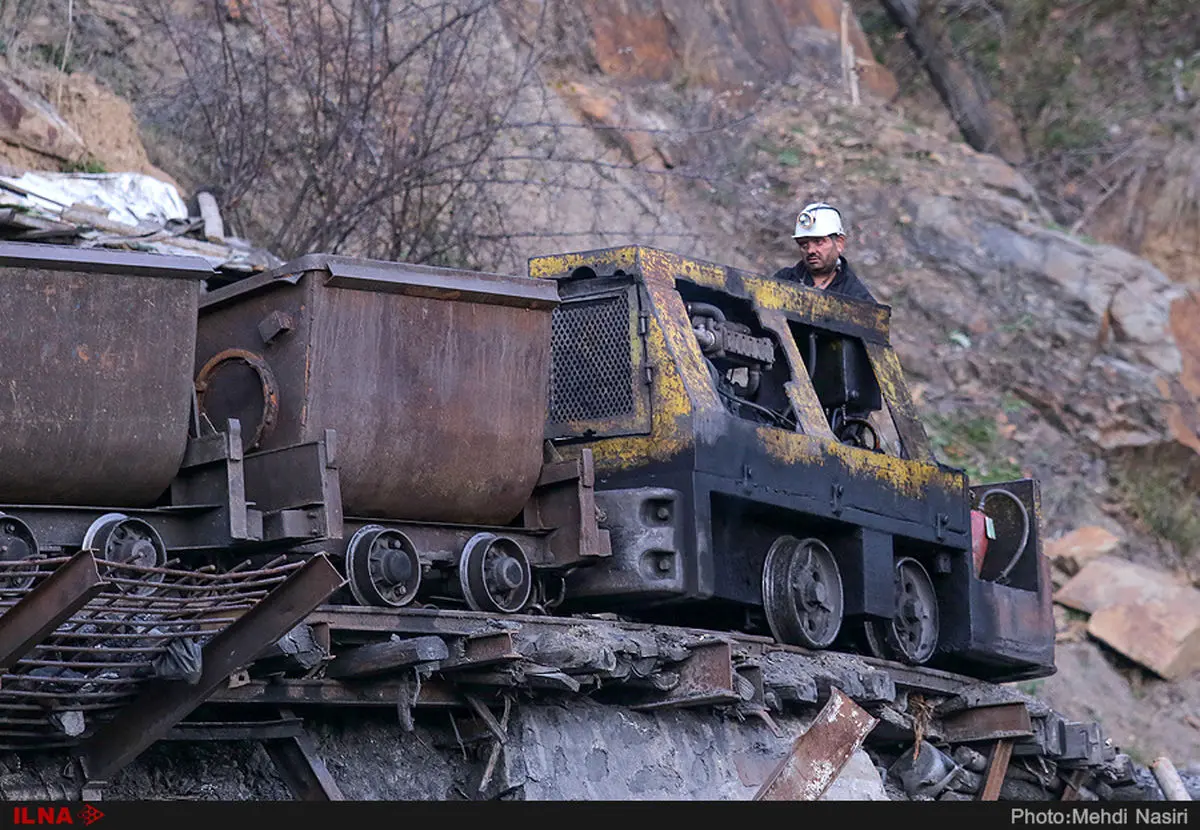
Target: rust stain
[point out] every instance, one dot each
(82, 352)
(819, 754)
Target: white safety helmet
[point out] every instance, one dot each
(818, 219)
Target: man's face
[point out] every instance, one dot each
(821, 253)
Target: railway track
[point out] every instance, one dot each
(121, 660)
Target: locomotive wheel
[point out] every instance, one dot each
(912, 634)
(494, 574)
(802, 592)
(16, 545)
(876, 642)
(382, 567)
(119, 540)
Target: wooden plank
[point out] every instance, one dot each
(997, 768)
(380, 658)
(433, 693)
(820, 753)
(214, 228)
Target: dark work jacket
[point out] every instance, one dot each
(845, 281)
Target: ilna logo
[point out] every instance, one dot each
(85, 815)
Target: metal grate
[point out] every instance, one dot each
(592, 360)
(148, 626)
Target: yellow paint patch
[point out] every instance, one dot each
(666, 267)
(562, 264)
(782, 296)
(671, 411)
(909, 478)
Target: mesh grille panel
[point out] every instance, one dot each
(591, 360)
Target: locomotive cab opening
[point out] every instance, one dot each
(745, 361)
(841, 375)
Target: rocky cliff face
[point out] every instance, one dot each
(1031, 351)
(1035, 351)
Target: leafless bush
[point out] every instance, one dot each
(408, 130)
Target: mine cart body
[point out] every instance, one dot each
(701, 476)
(432, 379)
(97, 392)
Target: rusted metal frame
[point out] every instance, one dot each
(1073, 786)
(297, 490)
(404, 621)
(103, 261)
(706, 677)
(57, 527)
(49, 604)
(223, 602)
(799, 390)
(996, 769)
(890, 378)
(988, 723)
(191, 620)
(482, 650)
(819, 754)
(433, 693)
(669, 313)
(928, 681)
(462, 286)
(213, 474)
(300, 765)
(162, 705)
(441, 544)
(564, 501)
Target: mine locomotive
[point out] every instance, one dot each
(620, 431)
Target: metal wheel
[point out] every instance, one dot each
(17, 545)
(873, 633)
(912, 634)
(802, 592)
(119, 540)
(116, 538)
(494, 574)
(382, 567)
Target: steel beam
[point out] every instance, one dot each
(988, 723)
(47, 606)
(300, 765)
(706, 678)
(997, 768)
(483, 650)
(162, 705)
(819, 754)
